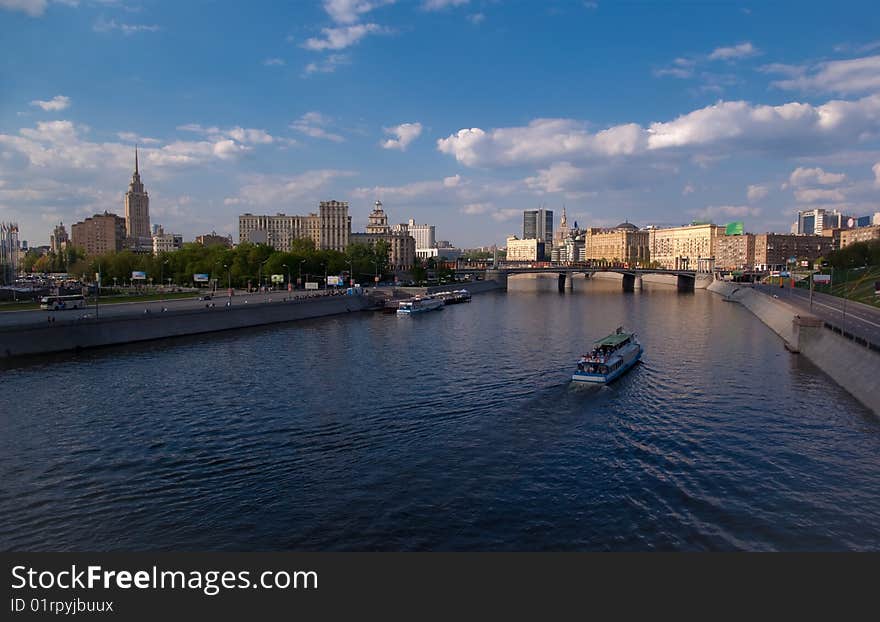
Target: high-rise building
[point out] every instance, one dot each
(137, 208)
(9, 249)
(424, 235)
(816, 221)
(735, 252)
(330, 228)
(860, 234)
(401, 246)
(99, 234)
(59, 239)
(563, 232)
(538, 224)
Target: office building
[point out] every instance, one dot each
(137, 209)
(424, 235)
(538, 224)
(9, 252)
(624, 243)
(817, 221)
(530, 249)
(166, 242)
(683, 248)
(775, 251)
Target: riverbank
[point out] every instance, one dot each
(851, 365)
(91, 333)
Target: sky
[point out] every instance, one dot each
(457, 113)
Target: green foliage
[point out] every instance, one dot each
(855, 255)
(245, 263)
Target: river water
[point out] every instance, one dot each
(453, 430)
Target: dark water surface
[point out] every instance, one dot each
(456, 429)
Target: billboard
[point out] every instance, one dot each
(822, 278)
(734, 228)
(334, 280)
(277, 278)
(137, 275)
(311, 285)
(201, 278)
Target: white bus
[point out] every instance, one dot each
(58, 303)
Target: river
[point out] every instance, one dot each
(453, 430)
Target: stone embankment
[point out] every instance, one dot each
(853, 366)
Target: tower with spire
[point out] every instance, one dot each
(563, 232)
(378, 220)
(137, 207)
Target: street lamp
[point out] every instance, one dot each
(300, 281)
(350, 263)
(162, 277)
(288, 275)
(260, 273)
(229, 276)
(325, 275)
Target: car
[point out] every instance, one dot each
(205, 297)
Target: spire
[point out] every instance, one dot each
(135, 159)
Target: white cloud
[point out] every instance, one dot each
(313, 124)
(350, 11)
(274, 62)
(342, 37)
(34, 8)
(274, 190)
(476, 18)
(328, 65)
(812, 195)
(439, 5)
(103, 25)
(713, 212)
(472, 209)
(132, 137)
(876, 169)
(243, 135)
(814, 176)
(403, 134)
(756, 192)
(688, 189)
(675, 72)
(59, 102)
(743, 50)
(783, 69)
(857, 75)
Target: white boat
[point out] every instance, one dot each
(610, 358)
(419, 305)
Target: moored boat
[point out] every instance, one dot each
(419, 304)
(610, 358)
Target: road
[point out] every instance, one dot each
(13, 319)
(856, 318)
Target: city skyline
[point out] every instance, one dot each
(612, 113)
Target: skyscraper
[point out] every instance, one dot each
(137, 208)
(538, 224)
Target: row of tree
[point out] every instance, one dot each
(855, 255)
(245, 264)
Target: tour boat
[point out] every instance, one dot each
(418, 305)
(609, 359)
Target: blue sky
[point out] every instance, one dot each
(459, 113)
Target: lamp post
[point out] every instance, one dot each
(229, 276)
(260, 274)
(288, 275)
(300, 280)
(350, 263)
(325, 275)
(162, 277)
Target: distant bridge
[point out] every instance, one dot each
(632, 277)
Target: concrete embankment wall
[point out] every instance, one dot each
(702, 281)
(473, 287)
(90, 333)
(851, 365)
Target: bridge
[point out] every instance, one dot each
(632, 277)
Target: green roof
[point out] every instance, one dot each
(613, 339)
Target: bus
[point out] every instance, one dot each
(58, 303)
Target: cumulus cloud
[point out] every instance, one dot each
(34, 8)
(328, 65)
(403, 134)
(274, 62)
(59, 102)
(813, 195)
(814, 176)
(743, 50)
(132, 137)
(350, 11)
(857, 75)
(273, 190)
(439, 5)
(342, 37)
(792, 129)
(314, 124)
(756, 192)
(239, 134)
